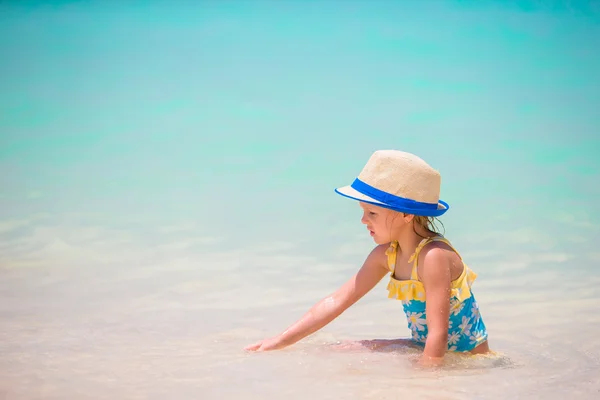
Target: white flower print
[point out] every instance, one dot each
(476, 337)
(452, 348)
(415, 321)
(406, 302)
(450, 323)
(418, 338)
(453, 338)
(465, 327)
(475, 311)
(456, 307)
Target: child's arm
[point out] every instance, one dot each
(330, 307)
(436, 276)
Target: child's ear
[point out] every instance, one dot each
(408, 217)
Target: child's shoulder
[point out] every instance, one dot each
(435, 252)
(437, 249)
(439, 253)
(380, 254)
(382, 251)
(435, 244)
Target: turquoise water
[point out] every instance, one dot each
(166, 190)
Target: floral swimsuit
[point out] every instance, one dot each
(466, 329)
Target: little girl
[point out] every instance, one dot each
(399, 195)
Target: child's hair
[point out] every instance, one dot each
(428, 223)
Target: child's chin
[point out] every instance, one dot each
(379, 241)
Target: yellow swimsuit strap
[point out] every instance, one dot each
(392, 253)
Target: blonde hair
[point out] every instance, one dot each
(427, 223)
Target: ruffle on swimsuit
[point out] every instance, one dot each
(413, 289)
(466, 329)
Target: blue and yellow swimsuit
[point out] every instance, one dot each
(466, 329)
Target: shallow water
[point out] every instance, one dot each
(172, 319)
(166, 194)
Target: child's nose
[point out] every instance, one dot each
(364, 219)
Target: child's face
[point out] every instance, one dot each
(383, 224)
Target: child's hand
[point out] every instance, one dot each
(274, 343)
